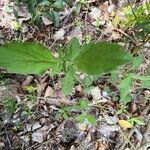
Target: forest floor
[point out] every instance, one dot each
(33, 108)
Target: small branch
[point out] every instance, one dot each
(58, 102)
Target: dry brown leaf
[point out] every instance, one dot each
(49, 92)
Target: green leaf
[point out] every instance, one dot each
(87, 80)
(137, 61)
(138, 121)
(84, 104)
(58, 4)
(44, 3)
(145, 84)
(148, 70)
(81, 118)
(77, 8)
(26, 58)
(101, 57)
(72, 49)
(57, 68)
(65, 115)
(124, 88)
(69, 2)
(142, 78)
(54, 17)
(114, 75)
(91, 119)
(68, 81)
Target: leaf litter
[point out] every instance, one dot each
(45, 130)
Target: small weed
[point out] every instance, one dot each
(136, 121)
(10, 105)
(81, 112)
(88, 39)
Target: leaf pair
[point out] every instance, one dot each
(34, 58)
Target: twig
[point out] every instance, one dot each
(8, 140)
(57, 102)
(53, 44)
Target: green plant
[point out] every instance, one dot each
(125, 84)
(10, 105)
(34, 58)
(79, 4)
(45, 8)
(136, 120)
(137, 17)
(81, 112)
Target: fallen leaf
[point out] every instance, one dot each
(49, 92)
(96, 93)
(125, 124)
(46, 21)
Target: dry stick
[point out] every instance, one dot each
(57, 102)
(8, 140)
(53, 44)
